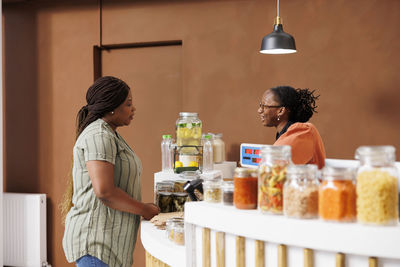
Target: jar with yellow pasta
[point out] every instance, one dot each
(377, 185)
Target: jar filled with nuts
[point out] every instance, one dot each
(212, 191)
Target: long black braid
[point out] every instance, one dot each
(106, 94)
(300, 102)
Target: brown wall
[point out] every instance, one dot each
(347, 50)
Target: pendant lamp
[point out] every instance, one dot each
(278, 42)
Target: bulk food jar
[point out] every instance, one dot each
(300, 192)
(337, 194)
(377, 185)
(188, 155)
(271, 177)
(245, 188)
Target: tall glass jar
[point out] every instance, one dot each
(300, 192)
(377, 185)
(245, 189)
(337, 195)
(271, 177)
(188, 129)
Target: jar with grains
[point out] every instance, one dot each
(227, 192)
(245, 188)
(300, 192)
(377, 185)
(218, 149)
(170, 226)
(212, 191)
(337, 195)
(271, 177)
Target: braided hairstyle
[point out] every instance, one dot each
(106, 94)
(300, 102)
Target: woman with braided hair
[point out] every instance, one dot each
(103, 204)
(288, 110)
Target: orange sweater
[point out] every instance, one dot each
(306, 143)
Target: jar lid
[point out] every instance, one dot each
(375, 151)
(165, 184)
(166, 136)
(212, 183)
(308, 170)
(241, 172)
(271, 149)
(180, 194)
(188, 114)
(174, 220)
(227, 185)
(337, 173)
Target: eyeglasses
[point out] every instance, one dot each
(262, 106)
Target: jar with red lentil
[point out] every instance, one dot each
(300, 192)
(271, 177)
(337, 195)
(245, 189)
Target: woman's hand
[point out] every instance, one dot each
(150, 210)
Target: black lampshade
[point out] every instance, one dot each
(278, 42)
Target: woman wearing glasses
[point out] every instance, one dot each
(288, 110)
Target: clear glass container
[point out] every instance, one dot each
(170, 227)
(245, 188)
(300, 192)
(167, 154)
(208, 162)
(227, 192)
(218, 148)
(212, 191)
(337, 195)
(188, 129)
(271, 177)
(178, 201)
(163, 196)
(179, 233)
(377, 185)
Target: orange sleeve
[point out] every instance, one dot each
(299, 136)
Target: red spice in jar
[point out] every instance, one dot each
(245, 190)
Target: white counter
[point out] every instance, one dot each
(157, 244)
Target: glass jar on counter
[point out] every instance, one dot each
(377, 185)
(178, 201)
(337, 195)
(163, 196)
(300, 192)
(212, 191)
(188, 129)
(218, 149)
(271, 177)
(173, 230)
(227, 192)
(245, 188)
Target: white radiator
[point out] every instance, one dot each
(24, 233)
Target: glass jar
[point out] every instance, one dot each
(188, 129)
(300, 192)
(212, 191)
(163, 196)
(218, 148)
(271, 177)
(227, 192)
(245, 188)
(337, 195)
(377, 185)
(179, 233)
(178, 201)
(170, 227)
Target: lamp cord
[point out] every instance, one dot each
(277, 8)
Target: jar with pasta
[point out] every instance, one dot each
(377, 185)
(212, 191)
(245, 189)
(300, 192)
(271, 177)
(337, 195)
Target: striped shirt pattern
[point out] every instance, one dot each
(91, 227)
